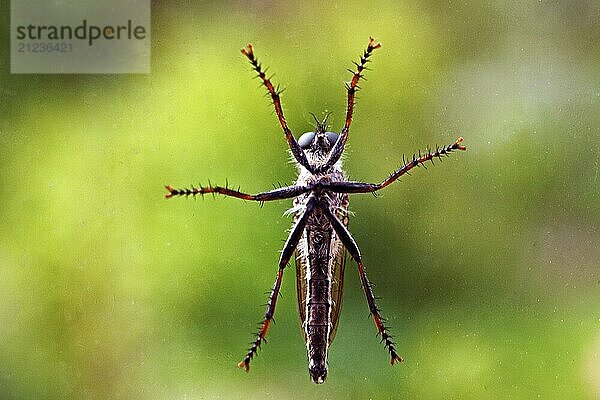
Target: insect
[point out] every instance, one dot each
(319, 238)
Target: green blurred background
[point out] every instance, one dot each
(487, 265)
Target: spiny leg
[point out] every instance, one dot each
(276, 194)
(359, 187)
(286, 254)
(354, 251)
(351, 87)
(275, 93)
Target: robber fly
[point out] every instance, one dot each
(319, 237)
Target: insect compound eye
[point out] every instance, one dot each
(306, 140)
(332, 137)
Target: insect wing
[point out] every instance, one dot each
(338, 266)
(301, 257)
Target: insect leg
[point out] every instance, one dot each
(277, 194)
(286, 254)
(359, 187)
(275, 93)
(351, 87)
(354, 251)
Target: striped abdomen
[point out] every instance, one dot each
(320, 262)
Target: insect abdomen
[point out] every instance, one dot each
(318, 302)
(318, 328)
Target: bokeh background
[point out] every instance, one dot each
(487, 264)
